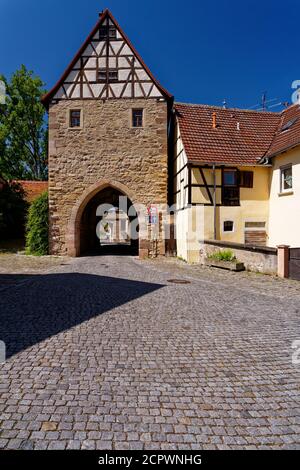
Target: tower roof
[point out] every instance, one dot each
(105, 15)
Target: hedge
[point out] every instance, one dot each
(37, 226)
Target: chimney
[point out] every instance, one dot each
(237, 126)
(214, 120)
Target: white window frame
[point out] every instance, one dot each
(228, 231)
(283, 190)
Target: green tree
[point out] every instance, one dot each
(23, 129)
(37, 226)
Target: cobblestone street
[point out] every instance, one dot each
(107, 353)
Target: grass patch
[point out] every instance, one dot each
(223, 255)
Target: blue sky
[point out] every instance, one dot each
(200, 51)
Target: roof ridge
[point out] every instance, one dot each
(289, 107)
(200, 105)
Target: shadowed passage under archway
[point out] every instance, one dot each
(109, 226)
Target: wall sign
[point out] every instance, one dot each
(152, 214)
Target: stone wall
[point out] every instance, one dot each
(255, 258)
(106, 149)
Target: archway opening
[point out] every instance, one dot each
(109, 225)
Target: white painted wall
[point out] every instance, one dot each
(284, 210)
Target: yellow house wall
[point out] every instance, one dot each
(254, 204)
(284, 216)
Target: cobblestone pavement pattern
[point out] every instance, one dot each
(106, 353)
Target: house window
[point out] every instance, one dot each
(111, 76)
(137, 118)
(255, 224)
(228, 226)
(246, 179)
(230, 177)
(230, 188)
(111, 30)
(286, 179)
(75, 117)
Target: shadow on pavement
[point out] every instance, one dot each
(47, 304)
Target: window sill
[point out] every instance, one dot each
(286, 193)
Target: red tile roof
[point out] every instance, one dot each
(33, 189)
(288, 132)
(241, 137)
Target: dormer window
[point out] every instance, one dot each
(289, 124)
(109, 31)
(111, 75)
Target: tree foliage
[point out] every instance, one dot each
(37, 226)
(23, 130)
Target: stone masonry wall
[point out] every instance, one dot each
(106, 147)
(259, 260)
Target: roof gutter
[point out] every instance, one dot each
(211, 164)
(291, 147)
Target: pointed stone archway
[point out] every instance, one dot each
(74, 238)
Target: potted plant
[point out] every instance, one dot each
(224, 259)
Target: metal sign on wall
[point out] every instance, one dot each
(152, 214)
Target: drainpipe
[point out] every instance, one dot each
(215, 202)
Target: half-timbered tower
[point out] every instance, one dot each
(108, 121)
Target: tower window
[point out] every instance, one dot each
(75, 117)
(111, 75)
(137, 118)
(109, 31)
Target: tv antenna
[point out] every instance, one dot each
(265, 104)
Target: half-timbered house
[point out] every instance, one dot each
(225, 162)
